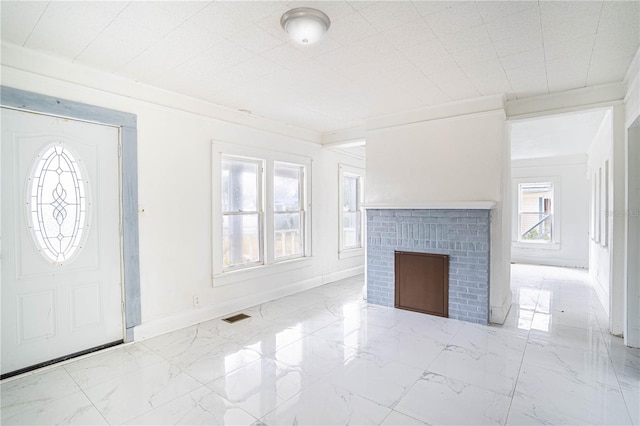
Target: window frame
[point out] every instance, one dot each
(301, 210)
(225, 276)
(260, 210)
(350, 171)
(554, 242)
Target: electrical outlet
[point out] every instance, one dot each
(196, 301)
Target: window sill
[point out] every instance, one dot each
(349, 253)
(535, 246)
(255, 272)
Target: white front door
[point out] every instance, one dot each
(60, 228)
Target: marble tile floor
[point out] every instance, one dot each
(326, 357)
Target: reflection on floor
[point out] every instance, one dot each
(326, 357)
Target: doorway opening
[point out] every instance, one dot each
(562, 177)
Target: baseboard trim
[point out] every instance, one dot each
(343, 274)
(160, 326)
(546, 261)
(498, 314)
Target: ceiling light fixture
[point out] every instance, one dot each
(305, 25)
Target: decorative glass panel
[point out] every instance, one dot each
(57, 203)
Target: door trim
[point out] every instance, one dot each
(127, 122)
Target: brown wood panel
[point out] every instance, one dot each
(422, 282)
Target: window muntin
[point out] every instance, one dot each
(288, 210)
(351, 211)
(241, 212)
(535, 212)
(57, 204)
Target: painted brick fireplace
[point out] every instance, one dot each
(463, 234)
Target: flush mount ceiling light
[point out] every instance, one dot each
(305, 25)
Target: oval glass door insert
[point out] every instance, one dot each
(57, 204)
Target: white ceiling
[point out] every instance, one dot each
(557, 136)
(377, 58)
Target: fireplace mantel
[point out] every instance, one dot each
(431, 205)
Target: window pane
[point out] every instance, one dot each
(536, 212)
(350, 194)
(351, 229)
(286, 187)
(536, 227)
(288, 234)
(239, 186)
(240, 239)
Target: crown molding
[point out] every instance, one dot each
(433, 205)
(591, 97)
(17, 60)
(475, 106)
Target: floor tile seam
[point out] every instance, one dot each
(39, 406)
(344, 389)
(387, 359)
(313, 376)
(243, 347)
(624, 398)
(588, 381)
(448, 342)
(216, 393)
(153, 408)
(88, 397)
(473, 385)
(507, 359)
(385, 417)
(515, 384)
(312, 381)
(572, 327)
(405, 392)
(48, 401)
(315, 380)
(182, 370)
(333, 342)
(393, 410)
(62, 364)
(320, 338)
(615, 371)
(227, 373)
(122, 374)
(534, 340)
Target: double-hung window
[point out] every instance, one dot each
(288, 210)
(350, 209)
(242, 214)
(261, 216)
(535, 212)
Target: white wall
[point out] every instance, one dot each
(571, 210)
(175, 135)
(458, 159)
(632, 208)
(451, 159)
(599, 162)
